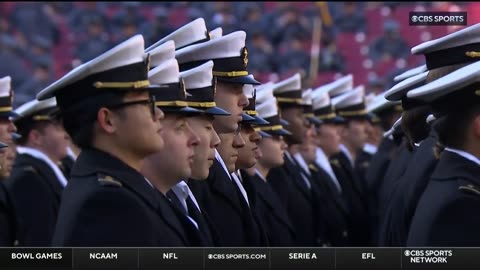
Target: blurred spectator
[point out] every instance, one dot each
(390, 45)
(158, 29)
(94, 43)
(81, 17)
(295, 57)
(351, 19)
(15, 67)
(225, 18)
(41, 78)
(262, 50)
(126, 29)
(33, 21)
(288, 25)
(330, 58)
(129, 12)
(252, 20)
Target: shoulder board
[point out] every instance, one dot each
(30, 169)
(107, 180)
(313, 168)
(470, 188)
(335, 162)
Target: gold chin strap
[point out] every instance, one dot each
(201, 104)
(290, 100)
(230, 73)
(175, 103)
(41, 117)
(472, 54)
(250, 112)
(352, 113)
(137, 84)
(5, 109)
(326, 116)
(275, 127)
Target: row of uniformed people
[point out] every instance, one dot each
(203, 175)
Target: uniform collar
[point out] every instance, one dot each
(182, 191)
(370, 148)
(464, 154)
(220, 160)
(70, 153)
(344, 149)
(301, 161)
(41, 156)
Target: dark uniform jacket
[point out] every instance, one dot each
(108, 203)
(333, 206)
(8, 226)
(299, 201)
(355, 195)
(66, 165)
(35, 192)
(447, 213)
(405, 199)
(271, 212)
(374, 178)
(205, 234)
(233, 219)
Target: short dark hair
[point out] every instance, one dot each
(79, 123)
(25, 126)
(452, 127)
(414, 124)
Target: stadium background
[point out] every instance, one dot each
(39, 42)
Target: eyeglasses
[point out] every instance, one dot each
(150, 102)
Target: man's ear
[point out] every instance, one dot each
(34, 137)
(476, 126)
(107, 120)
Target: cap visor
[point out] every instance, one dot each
(10, 114)
(185, 110)
(216, 111)
(264, 134)
(315, 120)
(239, 80)
(3, 145)
(247, 118)
(284, 122)
(280, 132)
(258, 121)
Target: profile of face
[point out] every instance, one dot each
(230, 143)
(375, 133)
(297, 123)
(308, 148)
(51, 139)
(355, 133)
(174, 162)
(7, 127)
(275, 146)
(139, 123)
(204, 152)
(230, 97)
(6, 161)
(247, 154)
(328, 138)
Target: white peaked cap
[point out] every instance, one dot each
(189, 33)
(430, 118)
(461, 37)
(198, 77)
(339, 86)
(5, 86)
(395, 126)
(356, 96)
(447, 84)
(268, 108)
(162, 53)
(167, 72)
(128, 52)
(399, 90)
(307, 97)
(34, 106)
(223, 47)
(379, 103)
(409, 73)
(264, 92)
(320, 99)
(216, 33)
(369, 98)
(248, 90)
(293, 83)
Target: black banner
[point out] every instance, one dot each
(239, 258)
